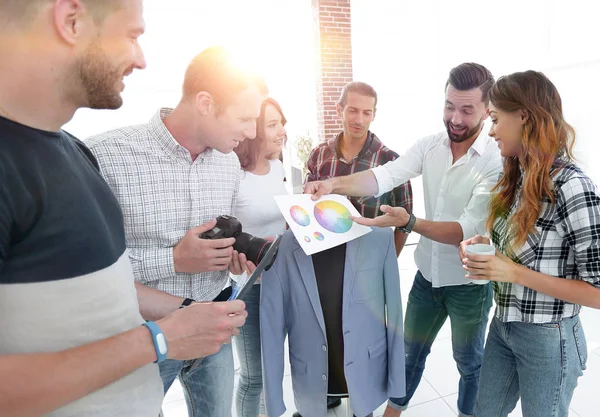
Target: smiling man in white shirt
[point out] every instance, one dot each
(459, 167)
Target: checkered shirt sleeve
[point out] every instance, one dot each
(566, 245)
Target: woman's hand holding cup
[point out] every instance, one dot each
(482, 262)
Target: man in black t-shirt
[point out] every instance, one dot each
(73, 340)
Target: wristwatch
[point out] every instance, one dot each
(409, 226)
(187, 302)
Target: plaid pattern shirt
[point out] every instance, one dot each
(566, 245)
(325, 161)
(163, 194)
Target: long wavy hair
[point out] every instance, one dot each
(547, 144)
(249, 149)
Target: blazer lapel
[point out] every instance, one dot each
(307, 272)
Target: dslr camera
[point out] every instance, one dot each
(253, 247)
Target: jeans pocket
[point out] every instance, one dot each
(469, 303)
(580, 344)
(547, 325)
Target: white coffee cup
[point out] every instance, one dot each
(481, 249)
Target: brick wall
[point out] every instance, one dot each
(333, 49)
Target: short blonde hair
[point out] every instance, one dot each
(214, 72)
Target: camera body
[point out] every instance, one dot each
(227, 226)
(253, 247)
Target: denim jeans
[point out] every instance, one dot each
(538, 362)
(468, 307)
(249, 400)
(208, 388)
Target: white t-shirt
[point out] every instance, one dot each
(256, 208)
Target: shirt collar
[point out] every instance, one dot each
(372, 145)
(160, 133)
(478, 146)
(481, 142)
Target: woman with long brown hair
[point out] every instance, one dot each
(544, 222)
(262, 178)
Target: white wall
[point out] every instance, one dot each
(406, 49)
(272, 36)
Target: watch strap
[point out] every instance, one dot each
(187, 302)
(160, 342)
(409, 226)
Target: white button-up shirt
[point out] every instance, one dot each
(457, 192)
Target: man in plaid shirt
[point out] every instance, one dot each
(173, 176)
(357, 149)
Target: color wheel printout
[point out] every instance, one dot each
(322, 224)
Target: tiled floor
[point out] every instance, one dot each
(437, 393)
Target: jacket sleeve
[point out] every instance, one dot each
(273, 332)
(395, 333)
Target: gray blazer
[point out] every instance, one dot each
(373, 352)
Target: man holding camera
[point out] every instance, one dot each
(173, 176)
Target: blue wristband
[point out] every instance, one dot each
(160, 343)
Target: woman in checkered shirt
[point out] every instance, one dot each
(545, 224)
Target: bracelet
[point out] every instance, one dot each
(160, 343)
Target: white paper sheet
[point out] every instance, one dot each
(322, 224)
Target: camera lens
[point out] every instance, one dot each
(253, 247)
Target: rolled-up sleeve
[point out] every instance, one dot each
(578, 211)
(472, 221)
(402, 169)
(384, 179)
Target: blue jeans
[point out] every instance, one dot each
(468, 307)
(249, 400)
(208, 388)
(538, 362)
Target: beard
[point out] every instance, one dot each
(469, 133)
(99, 79)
